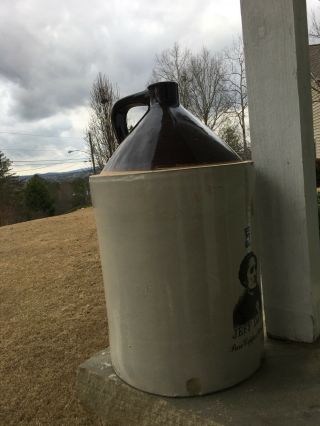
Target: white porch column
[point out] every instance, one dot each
(277, 64)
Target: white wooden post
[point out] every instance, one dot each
(277, 65)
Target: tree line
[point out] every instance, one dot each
(212, 86)
(22, 200)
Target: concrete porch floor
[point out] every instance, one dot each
(285, 391)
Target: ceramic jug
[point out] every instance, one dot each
(174, 209)
(166, 136)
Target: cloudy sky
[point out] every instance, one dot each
(51, 51)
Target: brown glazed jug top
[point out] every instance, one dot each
(167, 135)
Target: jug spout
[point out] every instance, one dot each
(165, 93)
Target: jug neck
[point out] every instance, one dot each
(165, 93)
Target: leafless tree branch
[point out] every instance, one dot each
(201, 81)
(102, 97)
(237, 87)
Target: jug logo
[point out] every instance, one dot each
(247, 312)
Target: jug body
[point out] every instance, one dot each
(180, 267)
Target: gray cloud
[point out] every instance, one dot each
(53, 52)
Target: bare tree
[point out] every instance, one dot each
(102, 97)
(200, 78)
(174, 65)
(314, 29)
(314, 35)
(237, 87)
(209, 98)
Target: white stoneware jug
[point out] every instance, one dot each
(181, 276)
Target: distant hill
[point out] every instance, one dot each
(62, 176)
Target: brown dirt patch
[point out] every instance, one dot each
(52, 317)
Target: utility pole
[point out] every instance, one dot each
(92, 156)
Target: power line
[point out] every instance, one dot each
(40, 136)
(71, 160)
(48, 165)
(29, 149)
(44, 167)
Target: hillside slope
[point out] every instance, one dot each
(52, 317)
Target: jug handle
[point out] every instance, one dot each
(120, 110)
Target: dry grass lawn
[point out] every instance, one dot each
(53, 317)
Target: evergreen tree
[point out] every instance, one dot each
(230, 134)
(81, 193)
(37, 196)
(11, 194)
(5, 167)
